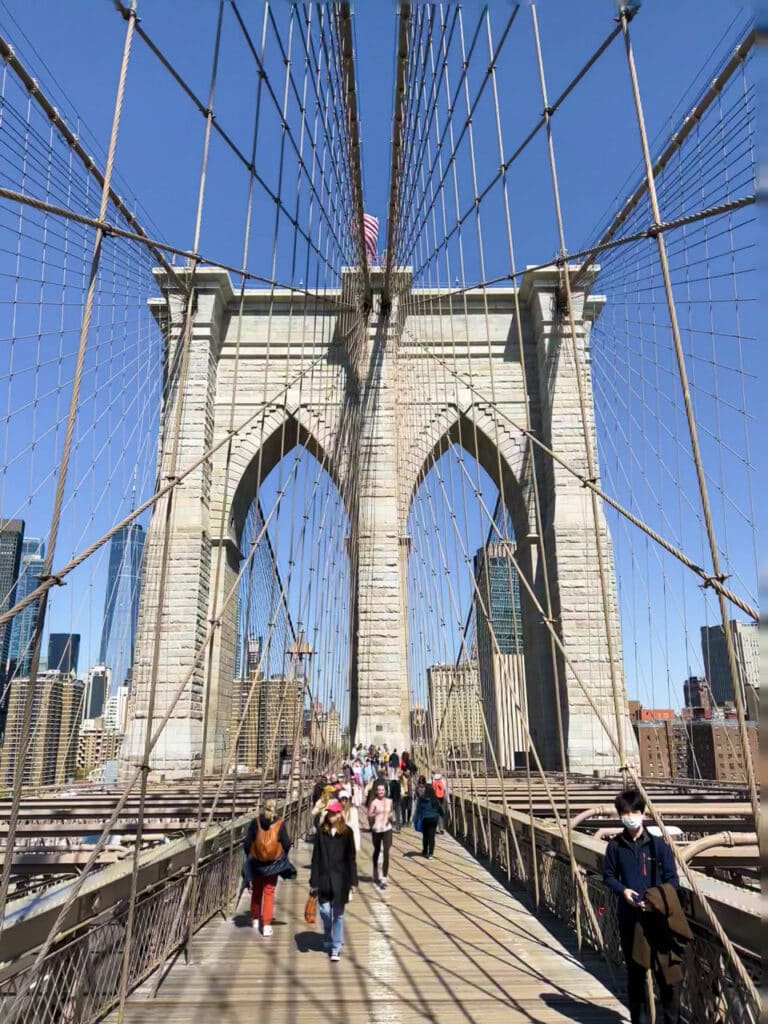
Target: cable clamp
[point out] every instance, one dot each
(653, 231)
(588, 481)
(710, 581)
(548, 112)
(214, 622)
(628, 11)
(549, 622)
(46, 577)
(171, 478)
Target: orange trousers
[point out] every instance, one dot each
(263, 898)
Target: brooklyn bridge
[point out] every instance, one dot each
(379, 387)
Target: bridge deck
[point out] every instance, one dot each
(444, 943)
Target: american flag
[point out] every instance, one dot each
(371, 234)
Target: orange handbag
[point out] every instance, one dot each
(310, 909)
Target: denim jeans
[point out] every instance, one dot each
(332, 916)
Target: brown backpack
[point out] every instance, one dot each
(266, 846)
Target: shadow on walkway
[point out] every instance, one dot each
(584, 1013)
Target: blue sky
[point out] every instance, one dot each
(75, 52)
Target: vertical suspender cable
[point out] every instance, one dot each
(29, 700)
(749, 768)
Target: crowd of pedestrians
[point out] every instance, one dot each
(381, 787)
(385, 790)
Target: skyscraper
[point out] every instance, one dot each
(697, 698)
(324, 727)
(11, 536)
(97, 689)
(455, 710)
(715, 654)
(55, 730)
(419, 728)
(281, 715)
(11, 539)
(246, 706)
(116, 710)
(121, 602)
(23, 625)
(501, 664)
(63, 652)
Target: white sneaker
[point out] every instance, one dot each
(266, 931)
(255, 923)
(383, 882)
(335, 956)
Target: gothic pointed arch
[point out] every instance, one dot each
(258, 449)
(502, 453)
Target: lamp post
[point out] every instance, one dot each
(300, 653)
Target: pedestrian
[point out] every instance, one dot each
(393, 764)
(266, 846)
(351, 816)
(318, 808)
(406, 798)
(320, 784)
(438, 787)
(357, 782)
(394, 792)
(426, 818)
(635, 864)
(333, 875)
(380, 814)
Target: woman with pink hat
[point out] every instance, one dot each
(333, 875)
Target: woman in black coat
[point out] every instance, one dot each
(426, 818)
(262, 872)
(333, 874)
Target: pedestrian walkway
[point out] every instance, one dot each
(444, 943)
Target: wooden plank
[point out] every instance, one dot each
(444, 943)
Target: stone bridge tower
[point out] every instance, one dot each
(293, 388)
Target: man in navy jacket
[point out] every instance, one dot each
(634, 862)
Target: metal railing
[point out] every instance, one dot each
(78, 981)
(711, 993)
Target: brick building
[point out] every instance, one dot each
(716, 749)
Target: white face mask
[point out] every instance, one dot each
(632, 822)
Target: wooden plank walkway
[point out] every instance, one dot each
(444, 943)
